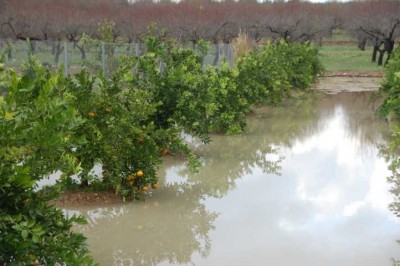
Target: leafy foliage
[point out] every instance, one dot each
(35, 121)
(119, 131)
(391, 87)
(267, 75)
(391, 109)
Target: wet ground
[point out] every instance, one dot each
(304, 185)
(336, 84)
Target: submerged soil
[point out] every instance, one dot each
(74, 199)
(330, 83)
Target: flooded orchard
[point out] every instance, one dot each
(304, 185)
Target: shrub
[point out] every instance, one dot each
(391, 110)
(391, 87)
(35, 124)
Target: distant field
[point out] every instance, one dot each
(346, 57)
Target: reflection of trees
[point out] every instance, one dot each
(228, 158)
(170, 226)
(361, 120)
(391, 152)
(300, 118)
(294, 120)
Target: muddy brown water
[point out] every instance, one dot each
(304, 185)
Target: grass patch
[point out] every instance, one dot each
(347, 58)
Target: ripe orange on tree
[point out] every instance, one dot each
(139, 173)
(130, 177)
(164, 151)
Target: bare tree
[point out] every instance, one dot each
(376, 22)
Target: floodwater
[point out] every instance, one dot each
(304, 185)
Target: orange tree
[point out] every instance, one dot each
(138, 113)
(35, 124)
(270, 74)
(197, 99)
(119, 132)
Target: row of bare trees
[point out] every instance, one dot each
(186, 20)
(375, 22)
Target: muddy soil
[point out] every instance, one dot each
(364, 74)
(73, 199)
(338, 84)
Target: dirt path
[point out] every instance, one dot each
(350, 81)
(365, 74)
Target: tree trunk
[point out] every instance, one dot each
(9, 51)
(54, 48)
(216, 58)
(82, 50)
(389, 46)
(380, 59)
(32, 47)
(320, 40)
(58, 49)
(374, 53)
(362, 41)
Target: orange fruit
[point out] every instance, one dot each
(139, 173)
(130, 177)
(164, 151)
(130, 182)
(145, 188)
(91, 114)
(154, 185)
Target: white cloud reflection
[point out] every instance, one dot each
(350, 173)
(329, 206)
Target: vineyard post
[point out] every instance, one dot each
(103, 57)
(65, 59)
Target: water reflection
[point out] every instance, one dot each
(170, 226)
(304, 177)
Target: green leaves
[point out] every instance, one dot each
(35, 118)
(391, 110)
(391, 86)
(29, 229)
(267, 75)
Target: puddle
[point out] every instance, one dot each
(304, 185)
